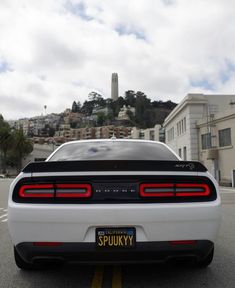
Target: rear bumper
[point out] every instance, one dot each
(144, 252)
(77, 223)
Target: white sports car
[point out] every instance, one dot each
(113, 201)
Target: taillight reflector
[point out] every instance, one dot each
(37, 191)
(183, 242)
(47, 244)
(73, 190)
(174, 190)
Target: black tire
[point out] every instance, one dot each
(21, 263)
(206, 261)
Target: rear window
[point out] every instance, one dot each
(113, 150)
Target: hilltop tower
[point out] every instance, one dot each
(114, 87)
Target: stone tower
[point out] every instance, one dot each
(114, 87)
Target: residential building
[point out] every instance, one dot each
(155, 134)
(93, 132)
(107, 132)
(36, 125)
(216, 144)
(189, 130)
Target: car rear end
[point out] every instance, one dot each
(114, 211)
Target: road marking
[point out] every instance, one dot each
(5, 220)
(1, 208)
(117, 277)
(98, 277)
(4, 215)
(5, 210)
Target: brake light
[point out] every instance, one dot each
(193, 189)
(37, 191)
(174, 190)
(157, 190)
(73, 190)
(55, 190)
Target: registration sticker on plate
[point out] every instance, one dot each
(115, 237)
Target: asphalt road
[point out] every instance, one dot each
(219, 274)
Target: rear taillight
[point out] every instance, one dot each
(191, 190)
(37, 191)
(73, 190)
(157, 190)
(55, 190)
(174, 190)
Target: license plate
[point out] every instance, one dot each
(117, 237)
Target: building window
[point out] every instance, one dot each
(206, 141)
(180, 153)
(142, 135)
(181, 126)
(185, 153)
(170, 134)
(225, 137)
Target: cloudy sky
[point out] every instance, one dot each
(53, 52)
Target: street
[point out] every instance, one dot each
(219, 274)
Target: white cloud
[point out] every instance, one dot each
(57, 51)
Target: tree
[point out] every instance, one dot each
(142, 104)
(101, 118)
(79, 106)
(87, 108)
(5, 145)
(5, 141)
(21, 147)
(130, 98)
(74, 107)
(47, 131)
(94, 96)
(149, 118)
(130, 115)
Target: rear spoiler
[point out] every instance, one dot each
(114, 165)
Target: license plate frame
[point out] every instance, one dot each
(118, 237)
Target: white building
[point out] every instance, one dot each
(190, 119)
(216, 144)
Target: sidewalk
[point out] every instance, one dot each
(227, 189)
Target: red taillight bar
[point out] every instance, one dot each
(37, 191)
(191, 190)
(55, 190)
(157, 190)
(73, 190)
(174, 189)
